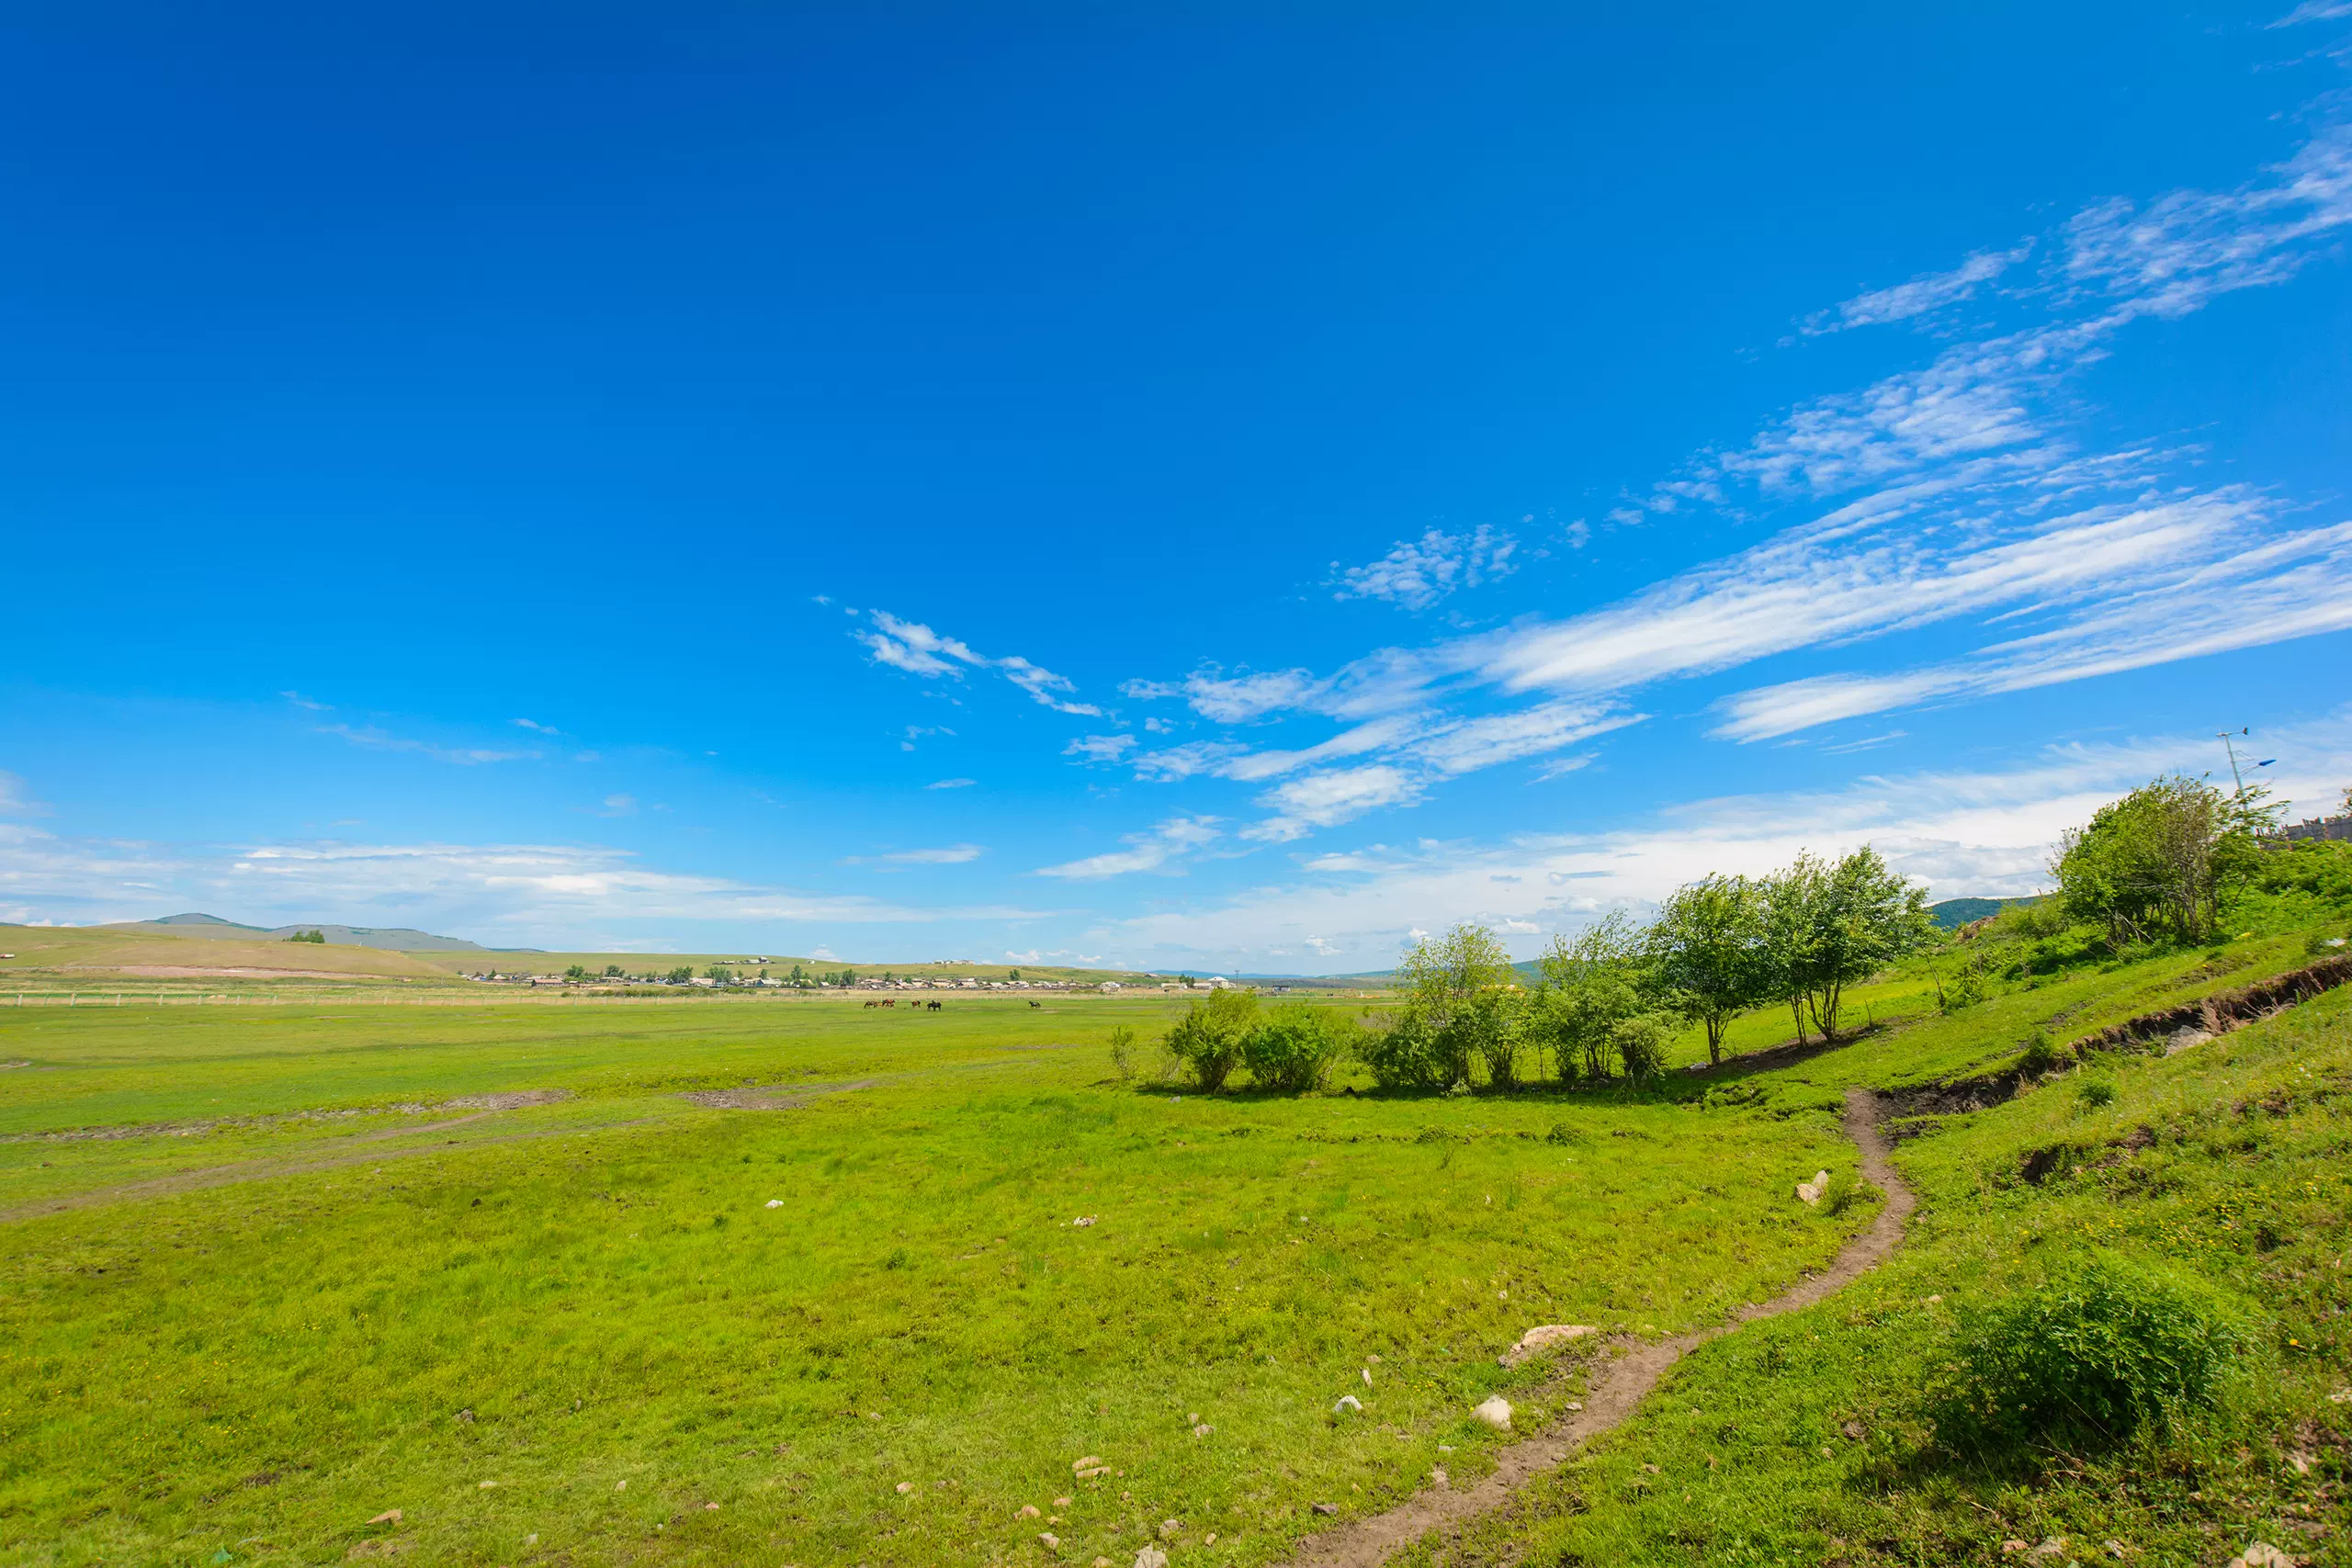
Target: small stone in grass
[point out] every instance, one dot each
(1061, 1502)
(1347, 1402)
(1048, 1540)
(1210, 1540)
(711, 1508)
(389, 1517)
(1152, 1557)
(1853, 1429)
(1576, 1405)
(1090, 1463)
(1202, 1430)
(775, 1202)
(1028, 1510)
(2261, 1554)
(1495, 1412)
(1168, 1529)
(1649, 1470)
(488, 1484)
(1327, 1507)
(620, 1485)
(905, 1488)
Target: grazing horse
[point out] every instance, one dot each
(873, 1004)
(934, 1006)
(889, 1001)
(1037, 1004)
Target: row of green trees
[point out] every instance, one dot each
(1602, 1006)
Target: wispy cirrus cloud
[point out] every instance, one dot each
(1958, 491)
(1922, 295)
(15, 798)
(1149, 851)
(918, 650)
(375, 740)
(1417, 573)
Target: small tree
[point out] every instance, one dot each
(1447, 1020)
(2162, 860)
(1828, 926)
(719, 973)
(681, 975)
(1702, 952)
(1208, 1039)
(612, 971)
(577, 972)
(1591, 986)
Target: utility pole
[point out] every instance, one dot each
(2234, 776)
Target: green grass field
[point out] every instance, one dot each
(801, 1283)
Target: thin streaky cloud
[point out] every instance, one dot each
(917, 649)
(375, 740)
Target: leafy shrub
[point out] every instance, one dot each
(2095, 1351)
(1208, 1038)
(1122, 1048)
(1640, 1043)
(2097, 1093)
(1838, 1195)
(1293, 1048)
(1409, 1054)
(2040, 1055)
(1965, 989)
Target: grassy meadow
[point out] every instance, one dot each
(255, 1324)
(792, 1280)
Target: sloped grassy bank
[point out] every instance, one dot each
(2171, 1208)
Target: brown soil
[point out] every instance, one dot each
(1620, 1377)
(775, 1097)
(2230, 1010)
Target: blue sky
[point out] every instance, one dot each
(1223, 489)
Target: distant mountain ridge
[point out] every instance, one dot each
(396, 938)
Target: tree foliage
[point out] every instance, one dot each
(2161, 861)
(1705, 954)
(1208, 1039)
(1826, 925)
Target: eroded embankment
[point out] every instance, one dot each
(1625, 1372)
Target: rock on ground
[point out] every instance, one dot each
(1542, 1337)
(1495, 1412)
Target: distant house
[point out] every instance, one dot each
(1110, 987)
(1217, 982)
(2338, 828)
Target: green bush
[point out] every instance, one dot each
(2041, 1054)
(2095, 1351)
(1409, 1053)
(1640, 1043)
(2097, 1093)
(1123, 1051)
(1838, 1195)
(1209, 1037)
(1296, 1046)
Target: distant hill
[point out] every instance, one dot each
(1955, 913)
(395, 938)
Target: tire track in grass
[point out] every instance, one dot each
(1618, 1383)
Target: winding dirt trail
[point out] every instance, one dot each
(1618, 1383)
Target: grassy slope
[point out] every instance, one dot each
(264, 1367)
(60, 954)
(2244, 1183)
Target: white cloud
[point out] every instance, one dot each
(463, 756)
(14, 801)
(534, 724)
(1327, 799)
(2315, 11)
(1960, 832)
(1927, 293)
(1417, 573)
(951, 783)
(1100, 748)
(498, 893)
(300, 701)
(953, 855)
(1506, 737)
(620, 806)
(1145, 852)
(916, 648)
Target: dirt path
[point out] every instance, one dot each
(1618, 1383)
